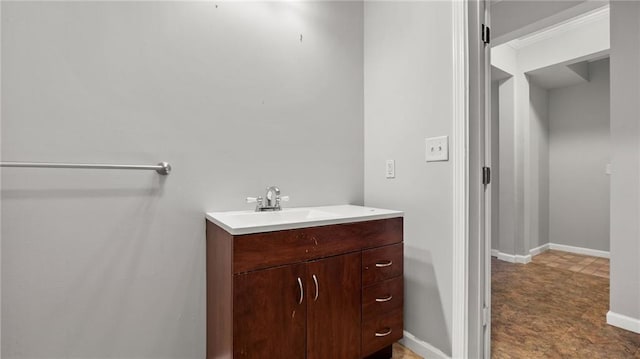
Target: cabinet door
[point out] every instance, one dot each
(334, 307)
(269, 313)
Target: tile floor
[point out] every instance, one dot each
(542, 310)
(574, 262)
(401, 352)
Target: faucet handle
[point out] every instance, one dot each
(254, 199)
(284, 198)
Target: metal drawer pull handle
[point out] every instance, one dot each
(381, 300)
(386, 264)
(384, 334)
(301, 291)
(315, 280)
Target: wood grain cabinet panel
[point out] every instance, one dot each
(381, 332)
(381, 263)
(264, 250)
(269, 313)
(305, 293)
(382, 298)
(333, 307)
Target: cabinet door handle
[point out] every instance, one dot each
(384, 264)
(301, 291)
(386, 299)
(384, 334)
(315, 281)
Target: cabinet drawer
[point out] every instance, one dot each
(381, 332)
(270, 249)
(382, 298)
(381, 263)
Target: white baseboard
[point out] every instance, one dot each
(579, 250)
(510, 257)
(545, 247)
(537, 250)
(422, 348)
(624, 322)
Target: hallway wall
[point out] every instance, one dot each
(513, 113)
(579, 152)
(495, 164)
(625, 161)
(511, 19)
(538, 164)
(524, 144)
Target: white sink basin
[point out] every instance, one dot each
(290, 215)
(247, 222)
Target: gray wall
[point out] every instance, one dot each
(110, 264)
(495, 165)
(625, 159)
(538, 163)
(579, 151)
(512, 19)
(511, 15)
(508, 209)
(408, 97)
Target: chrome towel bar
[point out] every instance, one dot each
(162, 168)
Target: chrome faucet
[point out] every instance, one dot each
(272, 198)
(270, 202)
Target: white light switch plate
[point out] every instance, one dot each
(391, 169)
(437, 149)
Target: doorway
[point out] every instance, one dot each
(551, 153)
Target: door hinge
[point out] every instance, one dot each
(486, 34)
(485, 316)
(486, 175)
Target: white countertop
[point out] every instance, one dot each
(247, 222)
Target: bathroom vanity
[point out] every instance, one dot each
(322, 282)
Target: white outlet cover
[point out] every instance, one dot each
(437, 149)
(390, 169)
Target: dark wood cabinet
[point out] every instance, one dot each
(382, 297)
(322, 292)
(270, 314)
(333, 307)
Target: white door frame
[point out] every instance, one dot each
(460, 162)
(485, 252)
(471, 249)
